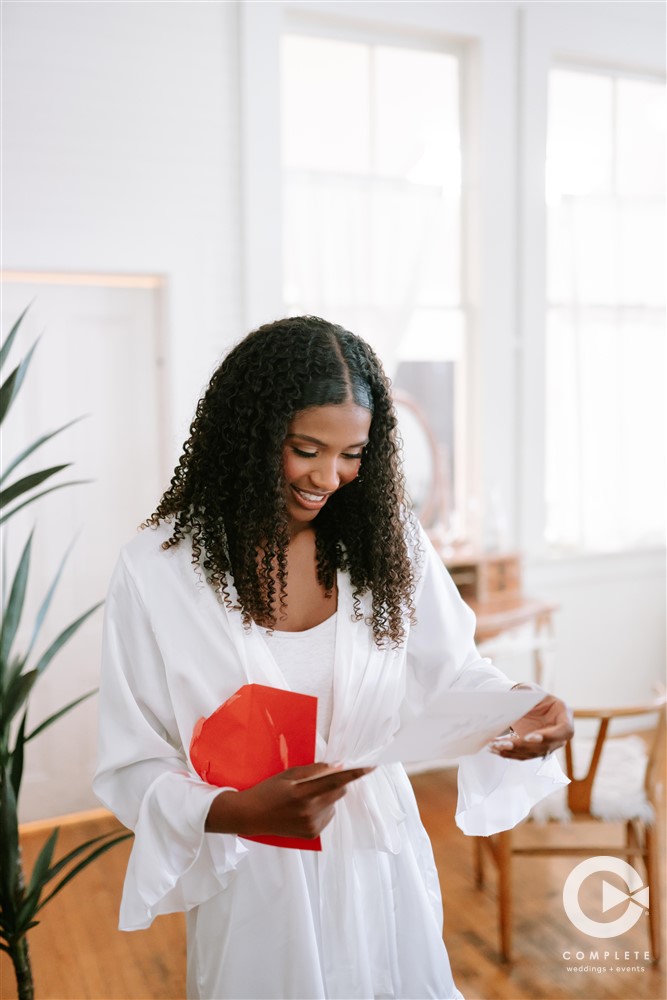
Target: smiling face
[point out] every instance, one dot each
(322, 453)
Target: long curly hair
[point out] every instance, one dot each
(228, 491)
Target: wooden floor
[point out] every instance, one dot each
(78, 953)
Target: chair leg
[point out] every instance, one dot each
(653, 881)
(631, 841)
(478, 847)
(504, 859)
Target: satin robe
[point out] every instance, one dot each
(363, 919)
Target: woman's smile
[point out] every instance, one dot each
(310, 501)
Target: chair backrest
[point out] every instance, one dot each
(579, 790)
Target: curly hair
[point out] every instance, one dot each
(228, 489)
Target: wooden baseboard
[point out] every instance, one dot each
(82, 818)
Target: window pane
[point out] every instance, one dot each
(563, 479)
(433, 335)
(605, 344)
(641, 244)
(423, 265)
(579, 147)
(593, 254)
(325, 104)
(372, 211)
(641, 138)
(327, 240)
(417, 117)
(605, 430)
(642, 498)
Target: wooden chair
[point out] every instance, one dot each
(640, 811)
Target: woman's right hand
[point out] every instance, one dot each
(298, 802)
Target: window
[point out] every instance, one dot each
(371, 154)
(605, 351)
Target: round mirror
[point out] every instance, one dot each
(422, 461)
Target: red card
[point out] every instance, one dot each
(258, 732)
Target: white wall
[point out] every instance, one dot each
(122, 152)
(609, 626)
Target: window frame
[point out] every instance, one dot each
(507, 50)
(485, 38)
(610, 38)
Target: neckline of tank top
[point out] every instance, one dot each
(303, 633)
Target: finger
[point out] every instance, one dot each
(532, 747)
(329, 798)
(322, 783)
(559, 732)
(518, 754)
(523, 751)
(307, 772)
(326, 816)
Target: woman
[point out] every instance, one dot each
(283, 554)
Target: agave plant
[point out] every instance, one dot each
(21, 901)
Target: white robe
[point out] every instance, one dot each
(364, 917)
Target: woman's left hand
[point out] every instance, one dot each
(546, 727)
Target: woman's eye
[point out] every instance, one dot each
(304, 454)
(354, 456)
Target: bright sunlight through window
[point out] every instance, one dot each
(605, 363)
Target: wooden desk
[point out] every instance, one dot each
(491, 584)
(493, 620)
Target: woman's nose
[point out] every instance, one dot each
(326, 477)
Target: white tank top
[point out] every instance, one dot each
(306, 660)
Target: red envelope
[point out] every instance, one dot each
(258, 732)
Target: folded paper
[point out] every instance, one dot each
(258, 732)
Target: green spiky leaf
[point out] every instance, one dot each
(34, 446)
(9, 847)
(15, 696)
(41, 614)
(22, 486)
(41, 867)
(15, 668)
(38, 880)
(83, 864)
(56, 715)
(12, 616)
(77, 851)
(10, 387)
(36, 496)
(9, 340)
(16, 769)
(64, 636)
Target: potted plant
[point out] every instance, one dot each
(21, 900)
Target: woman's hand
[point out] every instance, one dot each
(298, 802)
(546, 727)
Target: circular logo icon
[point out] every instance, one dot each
(636, 898)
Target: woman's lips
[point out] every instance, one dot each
(311, 501)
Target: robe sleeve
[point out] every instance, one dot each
(143, 775)
(494, 793)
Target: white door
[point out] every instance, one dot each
(99, 355)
